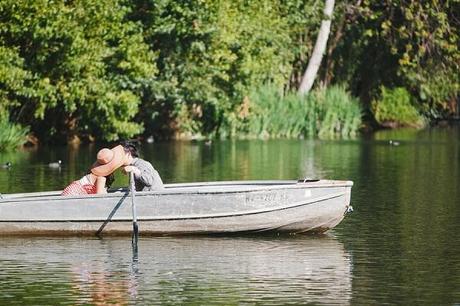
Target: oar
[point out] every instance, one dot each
(133, 205)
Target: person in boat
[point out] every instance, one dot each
(146, 177)
(100, 177)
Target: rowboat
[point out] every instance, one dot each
(191, 208)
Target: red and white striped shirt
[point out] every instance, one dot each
(81, 187)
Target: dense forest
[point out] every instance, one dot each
(101, 70)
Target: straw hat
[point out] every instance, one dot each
(108, 160)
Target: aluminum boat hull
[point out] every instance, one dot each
(194, 208)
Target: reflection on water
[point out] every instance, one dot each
(185, 162)
(400, 246)
(176, 270)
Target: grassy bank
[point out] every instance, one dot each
(12, 135)
(325, 113)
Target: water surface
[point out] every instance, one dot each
(400, 246)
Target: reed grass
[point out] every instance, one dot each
(325, 113)
(395, 108)
(12, 135)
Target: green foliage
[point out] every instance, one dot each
(400, 43)
(395, 108)
(340, 113)
(438, 91)
(109, 69)
(212, 52)
(325, 113)
(12, 135)
(73, 68)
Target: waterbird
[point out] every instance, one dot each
(150, 139)
(394, 143)
(55, 164)
(6, 165)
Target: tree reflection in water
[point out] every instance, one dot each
(182, 270)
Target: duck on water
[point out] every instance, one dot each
(6, 165)
(55, 165)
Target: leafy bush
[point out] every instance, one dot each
(11, 135)
(438, 89)
(326, 113)
(210, 53)
(394, 109)
(73, 67)
(412, 44)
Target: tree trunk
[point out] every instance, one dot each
(318, 51)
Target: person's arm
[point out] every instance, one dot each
(143, 175)
(100, 185)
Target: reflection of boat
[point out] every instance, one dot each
(194, 208)
(171, 270)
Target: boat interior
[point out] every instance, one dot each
(201, 187)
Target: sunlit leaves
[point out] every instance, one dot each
(82, 62)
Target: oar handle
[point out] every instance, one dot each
(133, 206)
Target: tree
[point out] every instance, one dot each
(73, 69)
(319, 49)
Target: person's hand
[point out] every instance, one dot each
(132, 169)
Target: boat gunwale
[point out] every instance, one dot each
(180, 189)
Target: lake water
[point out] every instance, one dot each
(400, 246)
